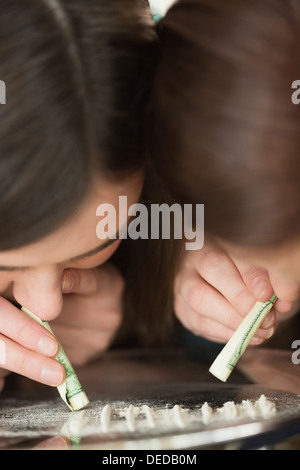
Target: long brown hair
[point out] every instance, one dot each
(223, 130)
(77, 74)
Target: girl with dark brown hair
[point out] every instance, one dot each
(224, 132)
(76, 76)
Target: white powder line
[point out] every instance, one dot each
(249, 408)
(229, 410)
(262, 408)
(105, 417)
(265, 406)
(119, 417)
(149, 415)
(178, 416)
(207, 413)
(130, 418)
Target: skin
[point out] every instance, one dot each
(80, 295)
(217, 286)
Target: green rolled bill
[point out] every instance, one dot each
(70, 390)
(236, 346)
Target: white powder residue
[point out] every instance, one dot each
(145, 418)
(105, 418)
(250, 408)
(207, 413)
(178, 414)
(149, 415)
(130, 418)
(267, 408)
(230, 411)
(125, 419)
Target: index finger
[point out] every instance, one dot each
(16, 325)
(219, 270)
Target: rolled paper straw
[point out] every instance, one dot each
(70, 390)
(238, 343)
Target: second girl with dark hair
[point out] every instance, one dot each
(223, 131)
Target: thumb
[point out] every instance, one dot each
(80, 281)
(256, 279)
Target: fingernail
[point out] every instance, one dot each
(57, 443)
(48, 345)
(259, 288)
(256, 340)
(54, 443)
(268, 322)
(270, 333)
(68, 282)
(51, 376)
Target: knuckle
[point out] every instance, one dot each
(195, 297)
(22, 365)
(184, 315)
(190, 319)
(231, 320)
(253, 272)
(202, 327)
(212, 258)
(243, 300)
(215, 332)
(24, 333)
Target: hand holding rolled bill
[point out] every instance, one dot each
(70, 390)
(236, 346)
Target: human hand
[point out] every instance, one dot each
(27, 348)
(92, 311)
(91, 314)
(214, 292)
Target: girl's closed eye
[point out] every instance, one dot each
(92, 261)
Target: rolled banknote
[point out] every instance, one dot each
(236, 346)
(70, 390)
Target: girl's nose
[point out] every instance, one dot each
(39, 290)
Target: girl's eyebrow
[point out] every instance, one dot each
(88, 254)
